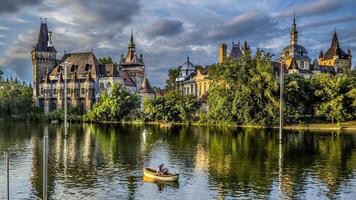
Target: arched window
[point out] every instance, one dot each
(301, 65)
(287, 54)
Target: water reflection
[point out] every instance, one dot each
(106, 162)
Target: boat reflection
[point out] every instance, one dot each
(162, 185)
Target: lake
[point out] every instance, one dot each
(106, 162)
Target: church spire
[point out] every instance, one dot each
(294, 32)
(131, 42)
(335, 43)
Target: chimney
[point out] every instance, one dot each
(222, 53)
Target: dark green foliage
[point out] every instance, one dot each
(249, 94)
(15, 99)
(171, 108)
(334, 96)
(299, 96)
(172, 75)
(114, 106)
(106, 60)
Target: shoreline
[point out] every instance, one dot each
(344, 126)
(324, 126)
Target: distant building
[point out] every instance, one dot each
(295, 57)
(236, 51)
(86, 77)
(192, 81)
(335, 59)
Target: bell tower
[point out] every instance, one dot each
(43, 57)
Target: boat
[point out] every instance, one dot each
(152, 174)
(167, 125)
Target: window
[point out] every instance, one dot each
(82, 91)
(87, 67)
(191, 89)
(286, 54)
(301, 65)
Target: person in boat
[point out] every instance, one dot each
(162, 170)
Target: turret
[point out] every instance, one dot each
(321, 55)
(43, 57)
(294, 33)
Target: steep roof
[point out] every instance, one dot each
(42, 40)
(293, 64)
(126, 78)
(81, 63)
(235, 52)
(335, 49)
(146, 87)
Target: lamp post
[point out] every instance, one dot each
(281, 82)
(65, 99)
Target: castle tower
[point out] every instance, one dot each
(43, 57)
(294, 33)
(336, 57)
(133, 63)
(222, 52)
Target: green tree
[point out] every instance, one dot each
(298, 95)
(115, 105)
(171, 107)
(172, 75)
(333, 96)
(248, 94)
(106, 60)
(15, 99)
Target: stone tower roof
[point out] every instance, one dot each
(146, 87)
(44, 42)
(335, 49)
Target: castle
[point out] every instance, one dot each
(294, 58)
(86, 77)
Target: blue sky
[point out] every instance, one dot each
(167, 31)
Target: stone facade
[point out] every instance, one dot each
(86, 77)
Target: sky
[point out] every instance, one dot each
(167, 31)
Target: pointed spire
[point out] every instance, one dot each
(44, 39)
(131, 42)
(321, 55)
(294, 32)
(146, 86)
(335, 42)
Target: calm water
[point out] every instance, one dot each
(105, 162)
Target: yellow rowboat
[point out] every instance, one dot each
(152, 174)
(165, 125)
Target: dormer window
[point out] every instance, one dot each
(87, 67)
(301, 52)
(287, 54)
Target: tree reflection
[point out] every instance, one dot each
(235, 162)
